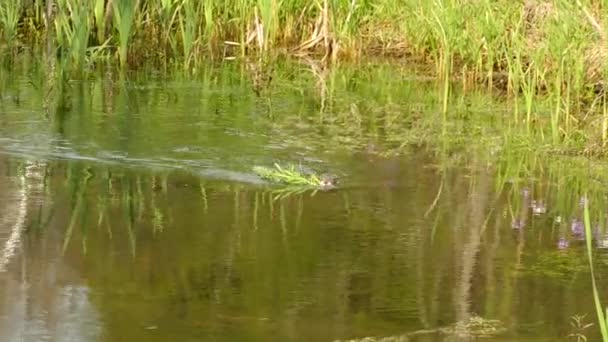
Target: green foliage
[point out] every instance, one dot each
(539, 52)
(289, 175)
(188, 27)
(124, 15)
(541, 48)
(73, 28)
(9, 19)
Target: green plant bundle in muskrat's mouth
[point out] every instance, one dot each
(294, 176)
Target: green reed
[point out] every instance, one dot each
(9, 19)
(79, 180)
(188, 25)
(267, 15)
(445, 54)
(601, 314)
(73, 29)
(99, 16)
(537, 45)
(124, 15)
(604, 120)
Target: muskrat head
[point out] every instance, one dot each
(328, 180)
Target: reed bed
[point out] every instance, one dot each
(533, 39)
(542, 54)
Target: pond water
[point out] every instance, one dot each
(129, 212)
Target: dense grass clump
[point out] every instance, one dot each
(533, 37)
(555, 47)
(549, 57)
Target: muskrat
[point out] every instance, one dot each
(328, 180)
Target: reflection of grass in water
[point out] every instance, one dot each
(289, 191)
(603, 323)
(128, 209)
(563, 181)
(563, 265)
(351, 124)
(371, 106)
(368, 106)
(79, 208)
(256, 206)
(204, 196)
(286, 214)
(573, 184)
(115, 190)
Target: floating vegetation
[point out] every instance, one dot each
(472, 328)
(577, 322)
(296, 181)
(476, 326)
(294, 176)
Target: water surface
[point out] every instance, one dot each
(129, 211)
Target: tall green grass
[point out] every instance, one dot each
(480, 32)
(124, 15)
(73, 29)
(10, 12)
(540, 47)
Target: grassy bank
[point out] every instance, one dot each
(531, 38)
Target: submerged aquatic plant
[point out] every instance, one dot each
(578, 324)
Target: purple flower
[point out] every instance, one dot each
(577, 227)
(563, 243)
